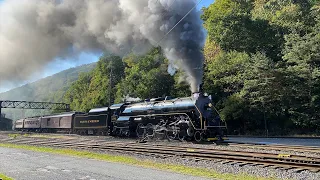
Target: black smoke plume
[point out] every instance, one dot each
(35, 32)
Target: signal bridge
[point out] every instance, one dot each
(33, 105)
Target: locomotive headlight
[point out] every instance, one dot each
(208, 107)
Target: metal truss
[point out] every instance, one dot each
(34, 105)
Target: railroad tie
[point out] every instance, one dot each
(298, 170)
(266, 165)
(275, 167)
(233, 163)
(314, 170)
(241, 164)
(288, 168)
(226, 162)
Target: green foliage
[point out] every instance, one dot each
(225, 74)
(263, 64)
(4, 177)
(76, 95)
(95, 89)
(180, 87)
(302, 58)
(229, 24)
(142, 76)
(146, 76)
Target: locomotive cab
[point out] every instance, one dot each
(210, 126)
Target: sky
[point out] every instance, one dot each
(60, 65)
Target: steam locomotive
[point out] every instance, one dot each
(189, 118)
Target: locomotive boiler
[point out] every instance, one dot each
(180, 118)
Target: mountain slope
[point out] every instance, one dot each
(51, 89)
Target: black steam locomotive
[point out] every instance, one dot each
(189, 118)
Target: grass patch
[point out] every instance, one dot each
(3, 177)
(14, 136)
(203, 172)
(46, 136)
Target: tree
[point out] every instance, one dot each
(225, 74)
(210, 51)
(263, 59)
(93, 89)
(108, 73)
(76, 94)
(302, 58)
(146, 76)
(231, 26)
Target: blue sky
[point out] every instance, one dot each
(60, 65)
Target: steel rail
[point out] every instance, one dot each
(312, 149)
(297, 162)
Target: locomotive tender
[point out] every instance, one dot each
(189, 118)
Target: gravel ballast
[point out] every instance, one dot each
(217, 165)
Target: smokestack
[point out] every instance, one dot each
(34, 33)
(196, 94)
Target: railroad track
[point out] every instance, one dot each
(278, 147)
(283, 161)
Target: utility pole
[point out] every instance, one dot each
(0, 110)
(265, 122)
(110, 83)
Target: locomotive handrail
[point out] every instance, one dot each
(200, 116)
(216, 126)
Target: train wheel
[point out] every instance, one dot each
(83, 133)
(172, 133)
(101, 133)
(198, 136)
(118, 132)
(181, 137)
(160, 132)
(128, 134)
(140, 130)
(150, 130)
(190, 132)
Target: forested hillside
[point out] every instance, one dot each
(262, 65)
(142, 76)
(50, 89)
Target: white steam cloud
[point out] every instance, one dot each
(35, 32)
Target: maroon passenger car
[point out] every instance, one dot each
(60, 122)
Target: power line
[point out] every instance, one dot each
(158, 43)
(179, 21)
(163, 14)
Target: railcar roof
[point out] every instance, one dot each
(116, 106)
(59, 115)
(32, 118)
(99, 109)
